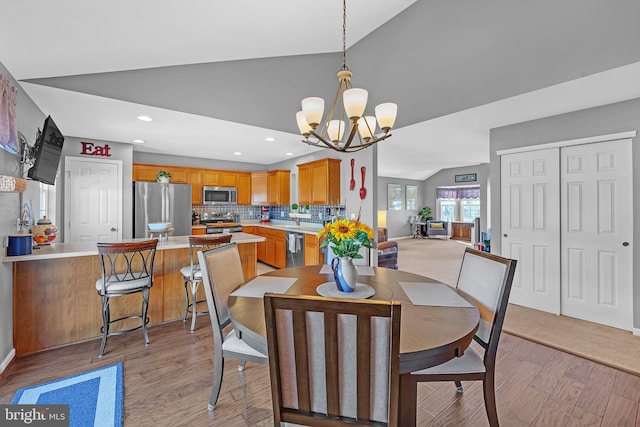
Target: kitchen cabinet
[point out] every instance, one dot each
(219, 178)
(319, 182)
(196, 187)
(262, 246)
(198, 230)
(278, 187)
(244, 188)
(259, 188)
(146, 172)
(276, 250)
(312, 253)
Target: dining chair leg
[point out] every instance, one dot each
(459, 386)
(194, 308)
(145, 320)
(217, 378)
(105, 324)
(408, 400)
(490, 398)
(186, 298)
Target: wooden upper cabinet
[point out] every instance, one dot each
(259, 188)
(146, 172)
(278, 187)
(244, 188)
(319, 182)
(196, 186)
(219, 178)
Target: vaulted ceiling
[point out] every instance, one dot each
(219, 77)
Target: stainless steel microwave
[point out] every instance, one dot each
(219, 196)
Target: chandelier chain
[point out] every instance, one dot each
(344, 35)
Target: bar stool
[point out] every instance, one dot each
(127, 268)
(192, 274)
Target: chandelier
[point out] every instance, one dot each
(347, 109)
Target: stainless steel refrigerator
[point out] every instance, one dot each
(159, 202)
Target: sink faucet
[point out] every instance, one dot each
(297, 221)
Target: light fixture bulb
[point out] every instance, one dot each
(335, 130)
(367, 127)
(313, 108)
(386, 115)
(355, 101)
(304, 127)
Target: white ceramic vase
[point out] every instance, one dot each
(345, 274)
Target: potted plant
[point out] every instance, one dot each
(163, 176)
(294, 207)
(425, 213)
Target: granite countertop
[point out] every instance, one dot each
(76, 249)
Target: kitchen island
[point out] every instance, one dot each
(55, 300)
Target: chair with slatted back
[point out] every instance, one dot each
(221, 273)
(192, 274)
(333, 361)
(486, 279)
(126, 268)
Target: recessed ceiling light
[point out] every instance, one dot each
(138, 141)
(145, 118)
(288, 154)
(270, 139)
(237, 153)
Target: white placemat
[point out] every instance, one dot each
(257, 287)
(435, 294)
(363, 270)
(329, 289)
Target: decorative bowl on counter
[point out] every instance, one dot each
(44, 232)
(159, 226)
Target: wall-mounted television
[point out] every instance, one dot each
(47, 151)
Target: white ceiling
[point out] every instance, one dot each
(71, 37)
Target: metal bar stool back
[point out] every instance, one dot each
(192, 274)
(127, 268)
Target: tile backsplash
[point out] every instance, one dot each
(319, 214)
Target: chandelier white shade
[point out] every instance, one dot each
(347, 112)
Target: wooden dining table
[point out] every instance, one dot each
(429, 334)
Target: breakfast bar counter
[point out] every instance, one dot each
(55, 300)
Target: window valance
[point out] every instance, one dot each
(458, 192)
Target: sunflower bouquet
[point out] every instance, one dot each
(346, 236)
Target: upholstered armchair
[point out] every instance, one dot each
(437, 228)
(387, 250)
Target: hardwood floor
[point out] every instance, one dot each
(169, 384)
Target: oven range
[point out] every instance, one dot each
(219, 226)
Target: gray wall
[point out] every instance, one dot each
(607, 119)
(446, 178)
(196, 162)
(29, 119)
(398, 221)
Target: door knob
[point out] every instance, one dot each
(625, 244)
(114, 229)
(505, 235)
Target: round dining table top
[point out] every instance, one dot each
(429, 335)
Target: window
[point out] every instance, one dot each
(412, 197)
(448, 210)
(470, 209)
(47, 202)
(458, 203)
(394, 197)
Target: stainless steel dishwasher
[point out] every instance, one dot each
(295, 249)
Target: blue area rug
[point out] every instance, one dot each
(94, 397)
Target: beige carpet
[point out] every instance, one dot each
(440, 260)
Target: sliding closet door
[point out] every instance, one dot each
(597, 228)
(530, 210)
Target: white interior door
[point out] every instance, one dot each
(530, 209)
(93, 200)
(597, 228)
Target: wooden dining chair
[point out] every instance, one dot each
(192, 274)
(486, 280)
(333, 362)
(221, 273)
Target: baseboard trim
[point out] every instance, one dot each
(7, 360)
(636, 331)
